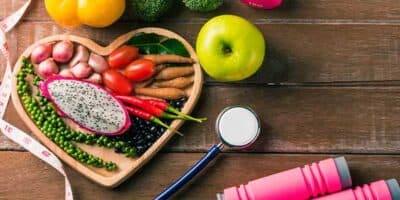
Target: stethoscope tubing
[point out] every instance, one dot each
(185, 178)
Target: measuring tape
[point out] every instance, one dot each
(9, 130)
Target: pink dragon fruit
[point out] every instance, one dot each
(87, 104)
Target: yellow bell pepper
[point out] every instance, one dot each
(96, 13)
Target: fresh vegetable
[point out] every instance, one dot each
(87, 104)
(143, 133)
(44, 115)
(41, 53)
(140, 70)
(99, 13)
(167, 58)
(122, 56)
(81, 70)
(163, 93)
(163, 105)
(230, 48)
(81, 55)
(154, 110)
(147, 116)
(117, 82)
(203, 5)
(47, 68)
(66, 72)
(180, 83)
(151, 43)
(151, 10)
(174, 72)
(144, 83)
(63, 51)
(95, 78)
(98, 63)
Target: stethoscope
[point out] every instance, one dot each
(237, 127)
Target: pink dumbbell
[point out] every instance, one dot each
(379, 190)
(327, 176)
(265, 4)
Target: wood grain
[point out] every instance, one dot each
(311, 119)
(292, 10)
(307, 54)
(32, 177)
(126, 166)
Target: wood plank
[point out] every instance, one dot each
(299, 10)
(32, 177)
(295, 53)
(311, 119)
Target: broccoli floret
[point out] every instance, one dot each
(203, 5)
(151, 10)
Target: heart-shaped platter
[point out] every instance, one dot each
(127, 166)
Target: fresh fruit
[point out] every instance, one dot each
(63, 51)
(41, 53)
(140, 70)
(87, 104)
(99, 13)
(230, 48)
(117, 82)
(203, 5)
(151, 10)
(122, 56)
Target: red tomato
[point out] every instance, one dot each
(140, 70)
(117, 82)
(122, 56)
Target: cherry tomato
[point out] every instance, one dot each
(117, 82)
(122, 56)
(140, 70)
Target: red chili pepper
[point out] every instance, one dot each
(146, 106)
(166, 107)
(147, 116)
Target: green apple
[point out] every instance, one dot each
(230, 48)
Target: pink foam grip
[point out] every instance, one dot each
(378, 190)
(295, 184)
(265, 4)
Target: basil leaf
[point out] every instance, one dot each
(151, 43)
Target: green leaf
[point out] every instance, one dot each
(151, 43)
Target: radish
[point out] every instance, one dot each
(41, 53)
(63, 51)
(47, 68)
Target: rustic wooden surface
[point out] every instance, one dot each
(330, 85)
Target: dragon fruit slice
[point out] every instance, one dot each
(87, 104)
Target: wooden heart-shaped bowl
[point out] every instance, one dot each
(126, 166)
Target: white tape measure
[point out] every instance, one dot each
(9, 130)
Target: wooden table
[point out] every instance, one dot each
(330, 86)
